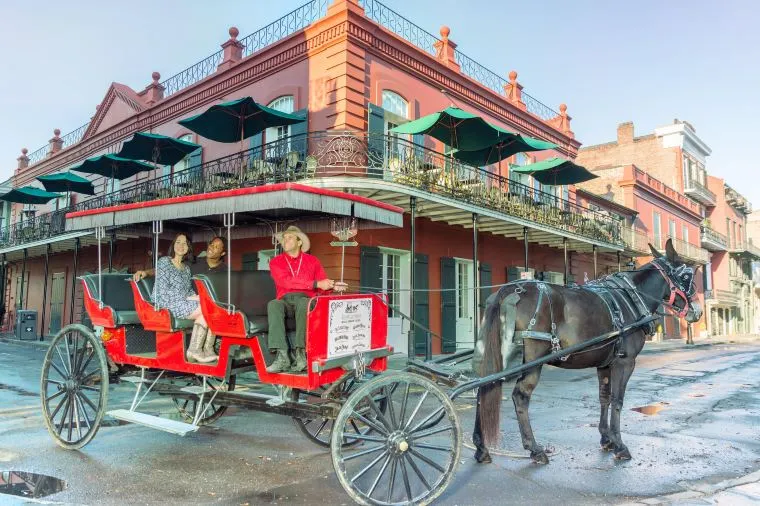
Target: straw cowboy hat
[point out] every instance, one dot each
(305, 243)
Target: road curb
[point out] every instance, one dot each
(699, 490)
(19, 342)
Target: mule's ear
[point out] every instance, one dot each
(655, 253)
(670, 251)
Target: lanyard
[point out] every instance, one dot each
(295, 274)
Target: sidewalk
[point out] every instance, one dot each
(742, 490)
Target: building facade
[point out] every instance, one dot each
(353, 71)
(663, 177)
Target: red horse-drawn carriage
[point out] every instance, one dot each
(394, 437)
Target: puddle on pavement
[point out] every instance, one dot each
(17, 390)
(23, 484)
(651, 409)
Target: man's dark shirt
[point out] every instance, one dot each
(202, 267)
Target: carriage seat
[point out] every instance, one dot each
(145, 287)
(250, 293)
(117, 295)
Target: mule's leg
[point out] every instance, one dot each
(481, 451)
(604, 401)
(621, 373)
(521, 398)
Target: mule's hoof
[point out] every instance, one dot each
(622, 454)
(539, 457)
(606, 444)
(483, 457)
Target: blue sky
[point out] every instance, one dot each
(647, 61)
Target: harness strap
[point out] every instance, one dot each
(529, 333)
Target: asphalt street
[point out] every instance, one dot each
(699, 444)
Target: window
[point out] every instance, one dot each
(685, 233)
(656, 229)
(463, 287)
(265, 256)
(396, 113)
(728, 232)
(274, 134)
(390, 279)
(522, 179)
(672, 229)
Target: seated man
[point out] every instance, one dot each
(297, 276)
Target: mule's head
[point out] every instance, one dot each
(680, 278)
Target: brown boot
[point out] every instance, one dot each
(281, 362)
(300, 364)
(208, 347)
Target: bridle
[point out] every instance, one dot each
(680, 281)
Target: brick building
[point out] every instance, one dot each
(663, 177)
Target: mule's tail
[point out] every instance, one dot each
(489, 348)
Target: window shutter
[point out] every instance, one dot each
(250, 261)
(376, 138)
(256, 141)
(513, 273)
(485, 282)
(369, 269)
(419, 146)
(421, 301)
(448, 306)
(194, 161)
(298, 132)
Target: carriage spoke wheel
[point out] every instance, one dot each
(411, 456)
(187, 407)
(74, 386)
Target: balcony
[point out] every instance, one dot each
(727, 297)
(636, 241)
(382, 167)
(699, 192)
(685, 250)
(712, 240)
(737, 200)
(745, 248)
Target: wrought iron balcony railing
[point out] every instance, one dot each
(699, 192)
(683, 248)
(356, 154)
(728, 296)
(636, 240)
(714, 238)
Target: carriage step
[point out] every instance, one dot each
(134, 379)
(196, 389)
(154, 422)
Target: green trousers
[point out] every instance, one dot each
(277, 310)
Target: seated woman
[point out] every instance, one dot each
(173, 290)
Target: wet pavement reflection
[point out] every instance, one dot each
(23, 484)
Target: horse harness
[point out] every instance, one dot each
(619, 296)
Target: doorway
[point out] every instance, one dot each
(464, 277)
(57, 300)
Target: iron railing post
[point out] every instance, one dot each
(411, 344)
(475, 280)
(74, 280)
(44, 292)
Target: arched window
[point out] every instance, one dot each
(282, 104)
(396, 113)
(183, 164)
(395, 104)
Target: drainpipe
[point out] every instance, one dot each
(595, 269)
(564, 247)
(525, 246)
(44, 292)
(21, 304)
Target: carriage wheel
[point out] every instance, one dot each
(187, 407)
(74, 386)
(413, 452)
(319, 430)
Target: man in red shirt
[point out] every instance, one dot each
(298, 276)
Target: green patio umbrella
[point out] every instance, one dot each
(508, 144)
(29, 195)
(112, 166)
(237, 120)
(159, 149)
(556, 171)
(67, 182)
(457, 128)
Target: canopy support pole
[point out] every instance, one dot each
(525, 246)
(412, 248)
(100, 233)
(229, 222)
(20, 303)
(4, 287)
(74, 280)
(564, 247)
(475, 284)
(44, 292)
(111, 241)
(618, 259)
(158, 227)
(595, 266)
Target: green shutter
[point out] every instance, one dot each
(421, 301)
(256, 141)
(194, 162)
(250, 261)
(448, 306)
(376, 140)
(484, 281)
(369, 269)
(298, 133)
(513, 273)
(419, 146)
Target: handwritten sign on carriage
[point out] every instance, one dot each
(349, 326)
